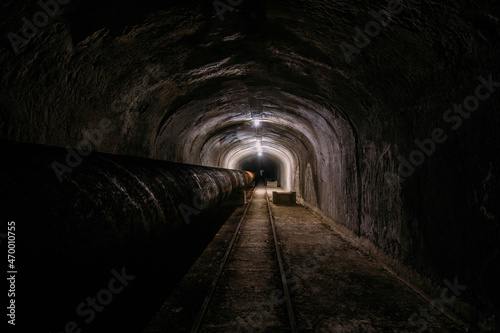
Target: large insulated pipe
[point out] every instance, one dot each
(77, 211)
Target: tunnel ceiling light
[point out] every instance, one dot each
(260, 153)
(256, 122)
(259, 147)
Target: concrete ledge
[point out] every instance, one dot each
(272, 184)
(284, 198)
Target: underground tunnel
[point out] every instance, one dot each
(130, 131)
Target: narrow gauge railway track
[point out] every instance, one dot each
(231, 250)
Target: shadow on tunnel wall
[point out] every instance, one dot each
(453, 219)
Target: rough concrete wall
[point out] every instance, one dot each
(439, 217)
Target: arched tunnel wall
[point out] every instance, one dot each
(171, 81)
(271, 168)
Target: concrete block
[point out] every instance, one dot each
(272, 184)
(284, 198)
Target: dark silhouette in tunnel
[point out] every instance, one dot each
(263, 168)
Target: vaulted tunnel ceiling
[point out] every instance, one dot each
(290, 59)
(211, 75)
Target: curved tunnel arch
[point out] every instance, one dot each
(317, 140)
(264, 165)
(282, 159)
